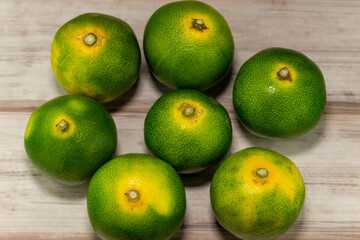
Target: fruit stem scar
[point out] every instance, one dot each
(189, 112)
(133, 195)
(284, 74)
(90, 39)
(62, 126)
(199, 24)
(262, 173)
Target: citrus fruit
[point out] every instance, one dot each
(257, 194)
(188, 129)
(136, 196)
(69, 137)
(279, 93)
(96, 55)
(188, 44)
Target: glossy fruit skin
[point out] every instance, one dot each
(161, 207)
(103, 71)
(275, 108)
(252, 208)
(188, 144)
(73, 156)
(181, 56)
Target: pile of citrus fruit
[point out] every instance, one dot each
(255, 193)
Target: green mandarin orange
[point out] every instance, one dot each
(257, 194)
(188, 44)
(279, 93)
(136, 196)
(69, 137)
(96, 55)
(188, 129)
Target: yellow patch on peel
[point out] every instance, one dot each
(184, 121)
(195, 33)
(249, 213)
(75, 86)
(78, 40)
(54, 55)
(279, 181)
(285, 83)
(63, 134)
(29, 127)
(151, 191)
(77, 105)
(279, 177)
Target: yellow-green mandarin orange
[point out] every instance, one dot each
(188, 129)
(136, 196)
(96, 55)
(69, 137)
(279, 93)
(188, 44)
(257, 194)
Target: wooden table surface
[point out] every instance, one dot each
(327, 31)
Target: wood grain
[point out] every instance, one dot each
(33, 207)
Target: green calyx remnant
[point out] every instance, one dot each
(199, 24)
(262, 173)
(133, 196)
(284, 74)
(62, 126)
(90, 39)
(189, 112)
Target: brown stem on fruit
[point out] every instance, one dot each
(133, 196)
(90, 39)
(62, 126)
(199, 24)
(262, 173)
(284, 74)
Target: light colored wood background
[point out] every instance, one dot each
(33, 207)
